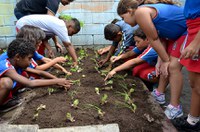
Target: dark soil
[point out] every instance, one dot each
(59, 103)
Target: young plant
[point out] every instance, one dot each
(51, 90)
(36, 115)
(104, 99)
(109, 82)
(69, 117)
(131, 90)
(97, 69)
(76, 69)
(97, 91)
(72, 94)
(76, 82)
(120, 77)
(131, 106)
(107, 88)
(75, 104)
(124, 85)
(127, 98)
(100, 112)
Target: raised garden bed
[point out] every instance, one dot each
(134, 114)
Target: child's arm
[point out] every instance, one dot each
(11, 73)
(103, 50)
(110, 53)
(123, 56)
(144, 20)
(41, 73)
(47, 60)
(125, 66)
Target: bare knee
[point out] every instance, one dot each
(6, 83)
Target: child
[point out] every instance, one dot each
(191, 61)
(146, 61)
(20, 53)
(53, 26)
(122, 36)
(157, 21)
(37, 35)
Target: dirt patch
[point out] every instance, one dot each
(58, 104)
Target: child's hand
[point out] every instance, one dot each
(164, 69)
(102, 62)
(110, 75)
(113, 59)
(190, 51)
(64, 83)
(100, 51)
(60, 59)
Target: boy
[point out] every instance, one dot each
(122, 36)
(27, 7)
(146, 61)
(53, 26)
(20, 54)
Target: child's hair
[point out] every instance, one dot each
(77, 25)
(115, 20)
(22, 47)
(124, 5)
(139, 33)
(31, 33)
(111, 31)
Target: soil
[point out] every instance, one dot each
(59, 103)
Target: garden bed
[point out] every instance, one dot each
(140, 116)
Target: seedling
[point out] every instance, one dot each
(99, 110)
(118, 76)
(97, 69)
(97, 91)
(76, 82)
(131, 106)
(51, 90)
(75, 103)
(76, 69)
(131, 90)
(36, 115)
(96, 54)
(124, 85)
(107, 88)
(104, 99)
(109, 82)
(127, 99)
(69, 117)
(72, 94)
(95, 61)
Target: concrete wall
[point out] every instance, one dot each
(94, 13)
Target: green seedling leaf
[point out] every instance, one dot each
(100, 113)
(97, 69)
(76, 69)
(72, 94)
(75, 103)
(130, 91)
(70, 117)
(76, 82)
(97, 91)
(132, 106)
(109, 82)
(104, 99)
(51, 90)
(35, 116)
(41, 107)
(99, 110)
(124, 86)
(107, 88)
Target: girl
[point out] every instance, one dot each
(166, 21)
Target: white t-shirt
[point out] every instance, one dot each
(50, 24)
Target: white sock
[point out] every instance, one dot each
(192, 120)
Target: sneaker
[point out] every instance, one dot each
(159, 98)
(182, 124)
(173, 112)
(11, 104)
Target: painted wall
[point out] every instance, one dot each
(94, 13)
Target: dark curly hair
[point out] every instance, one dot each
(139, 33)
(77, 25)
(31, 33)
(111, 31)
(20, 46)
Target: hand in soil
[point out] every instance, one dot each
(110, 75)
(102, 62)
(65, 83)
(59, 48)
(113, 59)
